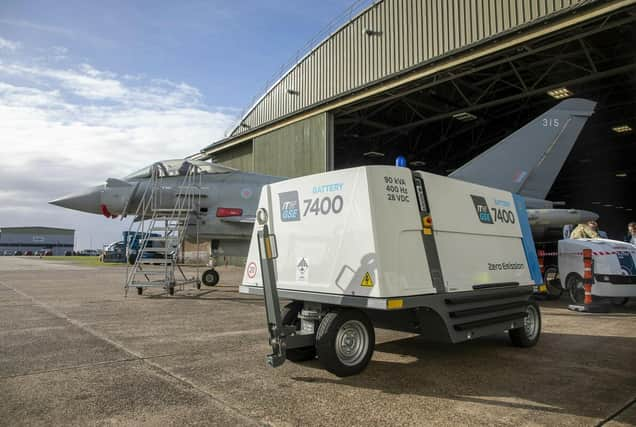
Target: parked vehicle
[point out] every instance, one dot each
(115, 252)
(613, 269)
(89, 252)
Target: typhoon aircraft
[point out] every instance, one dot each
(527, 162)
(227, 205)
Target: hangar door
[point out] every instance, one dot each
(239, 157)
(298, 149)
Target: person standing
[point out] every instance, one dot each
(631, 233)
(585, 231)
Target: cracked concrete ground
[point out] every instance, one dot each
(74, 351)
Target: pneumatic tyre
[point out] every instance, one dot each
(210, 277)
(575, 288)
(289, 316)
(529, 334)
(345, 341)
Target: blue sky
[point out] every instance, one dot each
(226, 49)
(94, 89)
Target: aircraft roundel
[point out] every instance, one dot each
(246, 193)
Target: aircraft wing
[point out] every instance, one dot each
(528, 161)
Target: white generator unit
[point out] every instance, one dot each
(384, 246)
(613, 269)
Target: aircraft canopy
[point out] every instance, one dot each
(179, 167)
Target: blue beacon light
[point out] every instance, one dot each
(400, 161)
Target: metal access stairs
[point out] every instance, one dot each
(162, 231)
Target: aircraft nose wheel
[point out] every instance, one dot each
(210, 277)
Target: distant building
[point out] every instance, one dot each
(57, 240)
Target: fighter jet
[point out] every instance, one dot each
(527, 162)
(226, 208)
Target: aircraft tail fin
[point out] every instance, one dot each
(528, 161)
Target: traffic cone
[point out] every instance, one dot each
(588, 279)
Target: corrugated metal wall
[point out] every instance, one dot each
(239, 157)
(295, 150)
(390, 37)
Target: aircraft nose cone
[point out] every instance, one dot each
(87, 201)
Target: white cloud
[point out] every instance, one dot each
(8, 44)
(85, 82)
(65, 129)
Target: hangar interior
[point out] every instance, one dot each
(441, 118)
(442, 122)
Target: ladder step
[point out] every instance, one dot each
(170, 217)
(161, 239)
(151, 261)
(159, 249)
(171, 210)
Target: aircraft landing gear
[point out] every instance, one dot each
(210, 277)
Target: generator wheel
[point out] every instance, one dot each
(210, 277)
(619, 302)
(576, 290)
(198, 284)
(289, 316)
(345, 341)
(529, 334)
(171, 290)
(140, 291)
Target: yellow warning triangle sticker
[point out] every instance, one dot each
(366, 280)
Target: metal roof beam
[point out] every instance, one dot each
(608, 73)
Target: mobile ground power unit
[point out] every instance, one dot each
(613, 269)
(387, 247)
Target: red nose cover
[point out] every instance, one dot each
(106, 212)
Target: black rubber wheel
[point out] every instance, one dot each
(132, 258)
(210, 277)
(575, 288)
(289, 316)
(140, 291)
(553, 282)
(198, 284)
(529, 334)
(619, 302)
(345, 341)
(171, 290)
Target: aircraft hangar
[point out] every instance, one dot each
(441, 81)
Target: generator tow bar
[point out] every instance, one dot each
(281, 336)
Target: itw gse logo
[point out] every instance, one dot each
(483, 213)
(289, 206)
